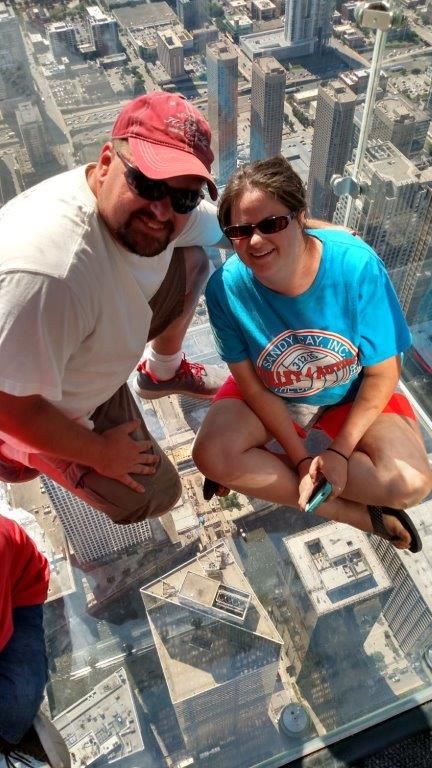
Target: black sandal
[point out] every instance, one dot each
(376, 516)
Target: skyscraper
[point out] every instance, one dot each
(394, 215)
(192, 13)
(333, 578)
(63, 38)
(222, 80)
(92, 534)
(104, 31)
(267, 108)
(15, 76)
(408, 607)
(218, 649)
(330, 146)
(394, 120)
(170, 53)
(33, 133)
(12, 49)
(307, 24)
(306, 31)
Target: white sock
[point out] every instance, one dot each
(162, 367)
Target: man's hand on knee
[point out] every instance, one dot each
(121, 456)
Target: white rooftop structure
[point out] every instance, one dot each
(103, 724)
(337, 566)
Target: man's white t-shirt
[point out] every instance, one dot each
(74, 312)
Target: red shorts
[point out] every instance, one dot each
(333, 418)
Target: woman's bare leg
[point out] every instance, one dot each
(390, 466)
(228, 449)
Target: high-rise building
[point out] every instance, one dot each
(12, 49)
(394, 214)
(222, 80)
(104, 31)
(193, 14)
(333, 578)
(408, 607)
(203, 37)
(396, 121)
(307, 24)
(263, 10)
(63, 38)
(306, 31)
(33, 134)
(267, 108)
(15, 76)
(348, 10)
(171, 53)
(103, 726)
(218, 649)
(92, 534)
(330, 146)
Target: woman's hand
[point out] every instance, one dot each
(332, 466)
(306, 484)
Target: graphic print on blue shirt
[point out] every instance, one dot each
(302, 363)
(312, 346)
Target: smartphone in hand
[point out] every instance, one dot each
(319, 495)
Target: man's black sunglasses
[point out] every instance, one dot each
(267, 226)
(182, 200)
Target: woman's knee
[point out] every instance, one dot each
(418, 485)
(407, 487)
(213, 455)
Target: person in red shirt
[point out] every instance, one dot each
(24, 579)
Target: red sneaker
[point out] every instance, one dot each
(193, 379)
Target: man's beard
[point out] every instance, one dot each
(144, 244)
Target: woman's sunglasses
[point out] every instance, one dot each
(182, 200)
(267, 226)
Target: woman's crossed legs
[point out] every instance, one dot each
(388, 468)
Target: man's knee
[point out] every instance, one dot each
(159, 497)
(118, 502)
(162, 501)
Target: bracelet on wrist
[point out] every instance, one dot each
(339, 453)
(301, 462)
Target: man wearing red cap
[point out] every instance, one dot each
(95, 263)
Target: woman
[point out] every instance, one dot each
(312, 331)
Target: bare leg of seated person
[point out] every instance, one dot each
(389, 469)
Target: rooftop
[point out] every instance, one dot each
(146, 15)
(103, 724)
(386, 160)
(398, 109)
(337, 565)
(211, 592)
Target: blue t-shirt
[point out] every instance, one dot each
(313, 345)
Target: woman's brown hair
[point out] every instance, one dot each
(274, 176)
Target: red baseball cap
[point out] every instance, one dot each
(168, 137)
